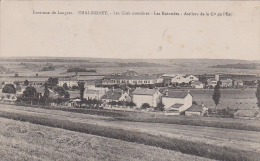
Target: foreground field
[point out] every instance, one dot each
(26, 141)
(221, 144)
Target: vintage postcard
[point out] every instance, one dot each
(129, 80)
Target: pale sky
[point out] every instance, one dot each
(113, 36)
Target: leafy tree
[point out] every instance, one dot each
(18, 88)
(60, 91)
(130, 104)
(53, 81)
(29, 92)
(203, 79)
(81, 89)
(8, 96)
(160, 106)
(257, 93)
(65, 86)
(67, 95)
(145, 106)
(46, 91)
(216, 95)
(9, 88)
(194, 103)
(26, 82)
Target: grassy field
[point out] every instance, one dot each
(228, 123)
(108, 66)
(232, 98)
(221, 144)
(25, 141)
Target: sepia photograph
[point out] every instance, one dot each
(129, 80)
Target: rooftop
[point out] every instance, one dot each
(195, 108)
(174, 93)
(112, 95)
(177, 105)
(144, 91)
(68, 79)
(134, 77)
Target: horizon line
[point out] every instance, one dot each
(68, 57)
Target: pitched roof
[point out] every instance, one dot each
(144, 91)
(134, 77)
(112, 95)
(177, 105)
(195, 108)
(68, 79)
(89, 78)
(211, 79)
(176, 94)
(196, 83)
(187, 75)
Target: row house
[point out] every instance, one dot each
(179, 78)
(122, 79)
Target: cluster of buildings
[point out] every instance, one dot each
(102, 88)
(175, 102)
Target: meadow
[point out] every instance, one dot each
(25, 141)
(31, 66)
(207, 142)
(231, 98)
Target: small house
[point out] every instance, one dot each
(194, 110)
(69, 81)
(197, 85)
(212, 82)
(176, 101)
(116, 95)
(226, 82)
(146, 95)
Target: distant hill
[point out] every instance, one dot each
(4, 70)
(239, 66)
(140, 64)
